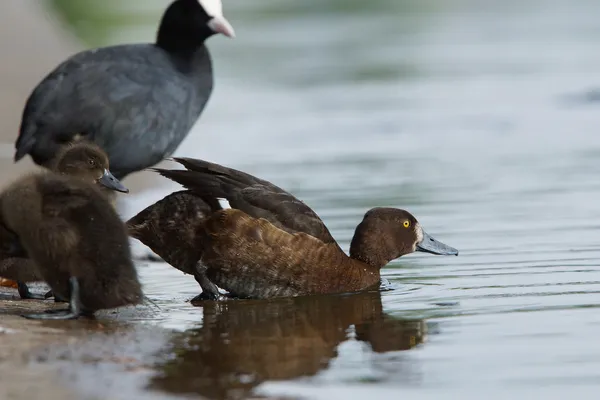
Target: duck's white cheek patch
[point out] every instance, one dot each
(419, 233)
(214, 8)
(223, 203)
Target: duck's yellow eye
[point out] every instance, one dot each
(406, 224)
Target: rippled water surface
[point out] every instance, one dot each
(474, 115)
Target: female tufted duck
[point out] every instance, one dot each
(255, 240)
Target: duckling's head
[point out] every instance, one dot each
(86, 161)
(388, 233)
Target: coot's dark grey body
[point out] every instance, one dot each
(136, 101)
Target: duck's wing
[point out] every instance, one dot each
(256, 197)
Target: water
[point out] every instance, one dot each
(472, 115)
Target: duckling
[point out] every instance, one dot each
(76, 240)
(82, 160)
(245, 235)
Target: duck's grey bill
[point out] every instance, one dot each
(430, 245)
(111, 182)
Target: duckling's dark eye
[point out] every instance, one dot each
(406, 224)
(92, 163)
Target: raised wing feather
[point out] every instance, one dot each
(256, 197)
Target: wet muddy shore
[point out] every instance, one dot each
(112, 356)
(31, 365)
(455, 111)
(71, 359)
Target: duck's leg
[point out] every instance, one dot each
(75, 308)
(210, 291)
(26, 294)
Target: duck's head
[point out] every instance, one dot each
(388, 233)
(88, 162)
(187, 23)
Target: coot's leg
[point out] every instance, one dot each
(26, 294)
(210, 291)
(75, 308)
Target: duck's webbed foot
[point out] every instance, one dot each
(210, 291)
(74, 311)
(204, 296)
(26, 294)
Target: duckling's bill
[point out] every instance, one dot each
(430, 245)
(108, 180)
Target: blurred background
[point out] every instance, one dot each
(478, 116)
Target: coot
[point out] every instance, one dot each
(136, 101)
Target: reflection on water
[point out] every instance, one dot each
(455, 110)
(242, 344)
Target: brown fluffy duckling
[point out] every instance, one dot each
(255, 240)
(73, 236)
(82, 160)
(87, 161)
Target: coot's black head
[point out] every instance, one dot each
(86, 161)
(388, 233)
(186, 24)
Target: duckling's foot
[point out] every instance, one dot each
(56, 311)
(26, 294)
(59, 299)
(75, 309)
(56, 314)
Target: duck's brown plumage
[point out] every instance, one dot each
(74, 238)
(251, 257)
(269, 243)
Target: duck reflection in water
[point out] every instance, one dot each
(247, 342)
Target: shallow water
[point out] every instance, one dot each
(474, 116)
